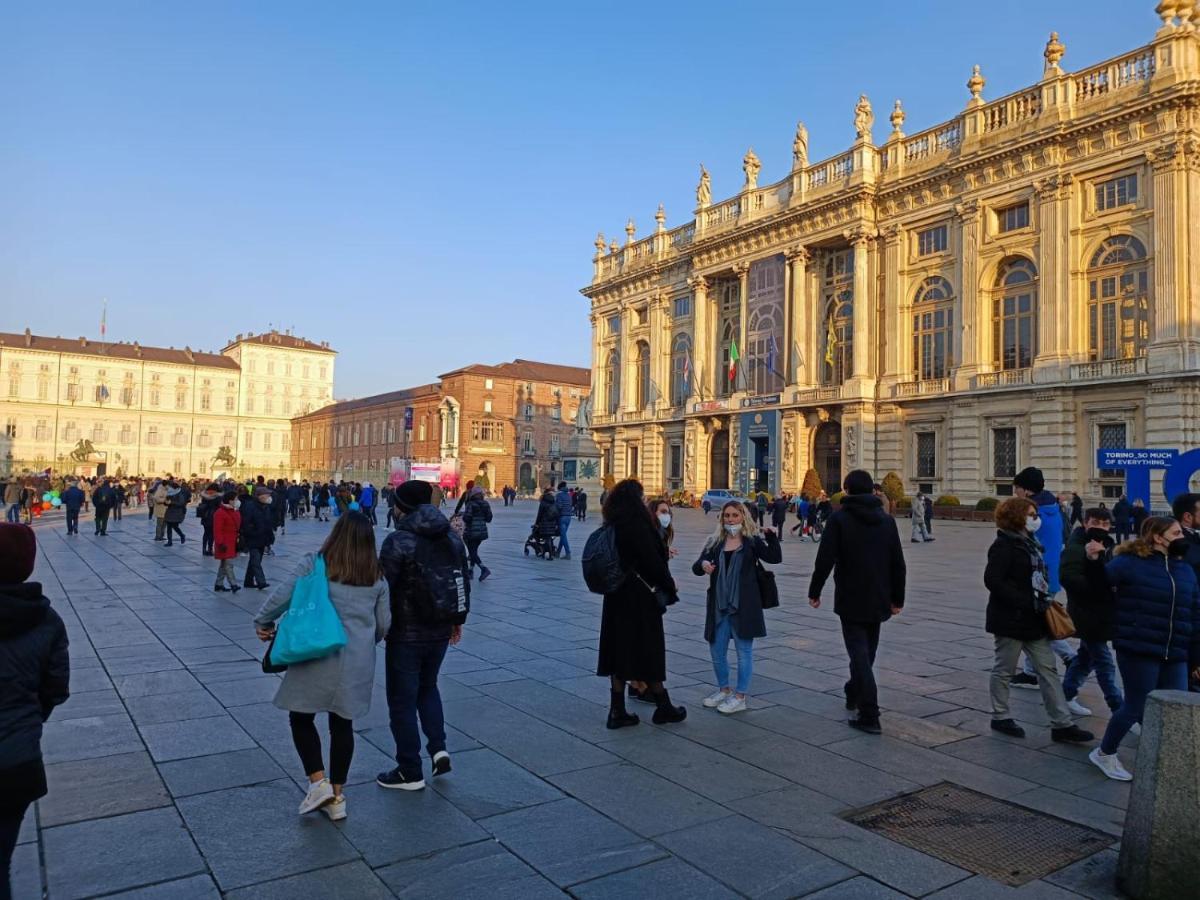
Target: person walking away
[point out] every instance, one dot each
(1122, 513)
(547, 521)
(632, 643)
(1137, 516)
(206, 510)
(566, 509)
(476, 515)
(425, 564)
(34, 678)
(800, 504)
(733, 605)
(366, 502)
(1018, 584)
(323, 500)
(176, 512)
(121, 499)
(929, 518)
(1092, 608)
(1030, 484)
(72, 501)
(159, 509)
(917, 512)
(226, 525)
(1076, 505)
(779, 508)
(292, 496)
(257, 535)
(581, 501)
(12, 499)
(761, 502)
(278, 509)
(1157, 628)
(338, 684)
(103, 499)
(860, 546)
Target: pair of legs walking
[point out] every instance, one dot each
(862, 643)
(308, 745)
(1008, 651)
(254, 570)
(564, 546)
(473, 559)
(102, 521)
(414, 705)
(72, 521)
(226, 573)
(1094, 656)
(173, 528)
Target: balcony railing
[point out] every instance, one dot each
(1007, 378)
(1108, 368)
(1133, 68)
(923, 388)
(817, 395)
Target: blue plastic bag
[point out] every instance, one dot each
(310, 629)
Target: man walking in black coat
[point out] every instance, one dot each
(861, 547)
(104, 498)
(1093, 609)
(257, 535)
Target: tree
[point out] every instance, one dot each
(812, 486)
(893, 487)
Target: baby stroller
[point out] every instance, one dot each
(544, 530)
(542, 545)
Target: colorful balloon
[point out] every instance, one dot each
(55, 502)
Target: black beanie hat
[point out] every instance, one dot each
(1030, 479)
(412, 494)
(18, 552)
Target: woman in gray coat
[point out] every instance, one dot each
(339, 684)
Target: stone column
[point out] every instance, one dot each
(897, 365)
(1176, 274)
(661, 333)
(973, 313)
(864, 307)
(1055, 252)
(1160, 855)
(702, 354)
(742, 271)
(800, 368)
(628, 372)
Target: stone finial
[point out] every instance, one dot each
(897, 119)
(1187, 13)
(975, 85)
(751, 166)
(660, 217)
(1054, 52)
(599, 243)
(630, 231)
(864, 118)
(1169, 10)
(614, 246)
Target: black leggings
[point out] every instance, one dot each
(308, 744)
(174, 526)
(10, 829)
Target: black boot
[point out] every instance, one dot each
(617, 716)
(665, 713)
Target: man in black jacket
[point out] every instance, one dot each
(861, 546)
(1092, 607)
(257, 535)
(104, 498)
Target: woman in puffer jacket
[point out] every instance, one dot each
(1157, 636)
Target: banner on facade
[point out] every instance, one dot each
(397, 471)
(1142, 458)
(408, 418)
(768, 400)
(710, 405)
(431, 472)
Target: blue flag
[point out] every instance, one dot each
(772, 355)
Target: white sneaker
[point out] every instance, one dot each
(732, 704)
(1078, 708)
(336, 810)
(712, 701)
(1110, 765)
(1135, 728)
(319, 793)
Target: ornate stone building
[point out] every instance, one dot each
(74, 405)
(1017, 286)
(509, 422)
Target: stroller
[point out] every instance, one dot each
(543, 532)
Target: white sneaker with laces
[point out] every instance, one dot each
(336, 810)
(319, 793)
(1078, 708)
(1110, 765)
(732, 704)
(1135, 728)
(712, 701)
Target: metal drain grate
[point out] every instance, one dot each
(981, 834)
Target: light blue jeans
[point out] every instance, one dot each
(564, 546)
(720, 655)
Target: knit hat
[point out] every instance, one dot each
(18, 550)
(412, 494)
(262, 490)
(1030, 479)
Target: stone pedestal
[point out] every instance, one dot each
(1160, 853)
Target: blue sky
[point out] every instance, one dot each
(420, 183)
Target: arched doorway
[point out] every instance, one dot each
(526, 477)
(718, 467)
(827, 455)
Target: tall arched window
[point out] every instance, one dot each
(1118, 300)
(837, 321)
(933, 329)
(612, 382)
(1014, 314)
(681, 374)
(643, 375)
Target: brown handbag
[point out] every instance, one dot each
(1058, 620)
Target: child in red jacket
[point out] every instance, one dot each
(227, 523)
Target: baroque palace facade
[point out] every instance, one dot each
(75, 405)
(1017, 286)
(508, 423)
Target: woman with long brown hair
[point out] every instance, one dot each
(339, 684)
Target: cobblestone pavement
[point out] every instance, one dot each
(173, 775)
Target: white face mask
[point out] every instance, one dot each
(664, 519)
(1032, 524)
(734, 530)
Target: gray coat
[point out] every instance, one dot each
(340, 683)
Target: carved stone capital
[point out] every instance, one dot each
(859, 236)
(740, 268)
(968, 209)
(798, 253)
(698, 283)
(891, 233)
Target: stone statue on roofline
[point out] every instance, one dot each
(751, 166)
(864, 117)
(800, 147)
(704, 188)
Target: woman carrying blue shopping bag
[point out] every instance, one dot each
(337, 610)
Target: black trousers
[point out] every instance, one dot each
(72, 520)
(206, 543)
(102, 521)
(10, 829)
(308, 745)
(862, 640)
(473, 552)
(173, 527)
(116, 511)
(254, 570)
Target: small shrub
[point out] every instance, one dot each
(812, 486)
(986, 504)
(893, 487)
(947, 500)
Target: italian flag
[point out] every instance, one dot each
(733, 360)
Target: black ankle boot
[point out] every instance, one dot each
(617, 716)
(664, 712)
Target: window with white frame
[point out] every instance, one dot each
(926, 454)
(682, 306)
(527, 442)
(1013, 218)
(1115, 192)
(933, 240)
(487, 406)
(488, 384)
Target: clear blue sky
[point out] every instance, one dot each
(381, 175)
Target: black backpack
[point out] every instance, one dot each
(441, 596)
(602, 569)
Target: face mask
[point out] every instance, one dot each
(664, 519)
(1097, 534)
(734, 530)
(1032, 524)
(1178, 547)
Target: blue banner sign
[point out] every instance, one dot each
(1137, 464)
(1141, 458)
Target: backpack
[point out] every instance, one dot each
(602, 569)
(441, 596)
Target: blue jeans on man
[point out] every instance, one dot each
(412, 694)
(1094, 656)
(14, 512)
(564, 546)
(719, 648)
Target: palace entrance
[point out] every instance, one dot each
(718, 467)
(827, 456)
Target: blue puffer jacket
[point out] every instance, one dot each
(566, 507)
(1158, 607)
(1050, 535)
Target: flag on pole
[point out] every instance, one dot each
(773, 356)
(830, 341)
(104, 319)
(733, 360)
(687, 372)
(103, 392)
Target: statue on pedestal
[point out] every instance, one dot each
(704, 188)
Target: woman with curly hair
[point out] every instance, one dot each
(632, 645)
(1018, 597)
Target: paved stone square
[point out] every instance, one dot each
(173, 775)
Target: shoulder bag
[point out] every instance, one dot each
(310, 629)
(1058, 620)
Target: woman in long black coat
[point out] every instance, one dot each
(632, 645)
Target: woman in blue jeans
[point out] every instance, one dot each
(734, 607)
(1158, 628)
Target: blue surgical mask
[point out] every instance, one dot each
(733, 530)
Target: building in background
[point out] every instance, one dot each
(504, 424)
(79, 405)
(1017, 286)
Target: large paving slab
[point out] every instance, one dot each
(173, 775)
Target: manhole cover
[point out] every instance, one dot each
(981, 834)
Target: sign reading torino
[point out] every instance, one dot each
(1137, 463)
